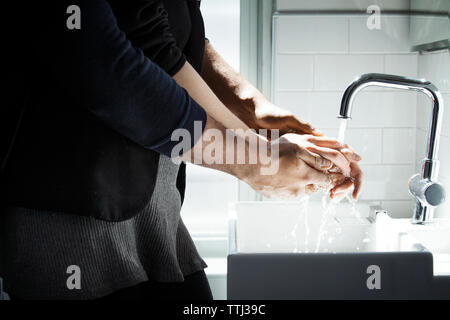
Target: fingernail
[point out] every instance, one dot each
(357, 157)
(317, 132)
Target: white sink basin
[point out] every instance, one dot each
(294, 227)
(435, 237)
(290, 250)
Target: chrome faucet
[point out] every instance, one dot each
(427, 192)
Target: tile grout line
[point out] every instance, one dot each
(382, 146)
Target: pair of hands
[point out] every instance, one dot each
(308, 161)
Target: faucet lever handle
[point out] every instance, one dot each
(428, 192)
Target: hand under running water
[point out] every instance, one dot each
(344, 185)
(345, 173)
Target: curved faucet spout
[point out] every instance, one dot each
(430, 164)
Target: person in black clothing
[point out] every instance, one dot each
(88, 181)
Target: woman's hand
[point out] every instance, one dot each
(304, 164)
(333, 157)
(344, 185)
(312, 148)
(298, 172)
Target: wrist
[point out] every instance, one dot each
(258, 156)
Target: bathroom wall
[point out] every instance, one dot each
(290, 5)
(435, 67)
(315, 56)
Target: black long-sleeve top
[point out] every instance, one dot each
(97, 107)
(100, 67)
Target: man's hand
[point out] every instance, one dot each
(252, 108)
(269, 116)
(246, 101)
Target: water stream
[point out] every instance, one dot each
(342, 128)
(329, 209)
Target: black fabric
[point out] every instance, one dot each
(146, 23)
(168, 32)
(72, 153)
(194, 287)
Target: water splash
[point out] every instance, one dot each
(304, 203)
(329, 212)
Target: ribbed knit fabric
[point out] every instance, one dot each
(38, 247)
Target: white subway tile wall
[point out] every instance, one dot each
(317, 56)
(435, 67)
(320, 33)
(290, 5)
(405, 65)
(399, 145)
(393, 36)
(288, 69)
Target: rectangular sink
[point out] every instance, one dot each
(435, 237)
(299, 250)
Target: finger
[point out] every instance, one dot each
(300, 126)
(341, 189)
(337, 178)
(338, 196)
(334, 156)
(350, 154)
(357, 190)
(318, 178)
(314, 160)
(358, 177)
(326, 142)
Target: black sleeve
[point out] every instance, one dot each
(116, 81)
(147, 26)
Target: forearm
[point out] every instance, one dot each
(199, 90)
(236, 92)
(229, 151)
(246, 101)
